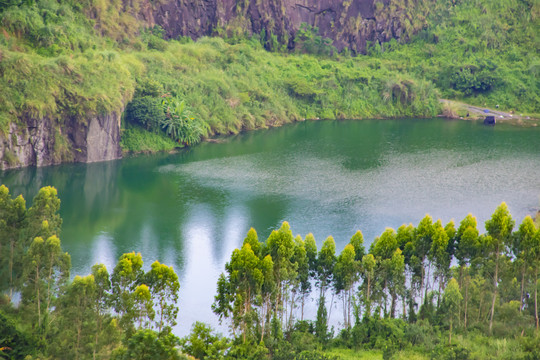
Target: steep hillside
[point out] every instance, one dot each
(70, 69)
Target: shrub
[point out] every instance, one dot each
(145, 111)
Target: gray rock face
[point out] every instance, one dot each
(349, 23)
(42, 142)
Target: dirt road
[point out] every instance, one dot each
(476, 111)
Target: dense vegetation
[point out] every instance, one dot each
(68, 60)
(429, 291)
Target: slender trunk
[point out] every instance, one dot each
(161, 314)
(11, 254)
(536, 296)
(303, 301)
(385, 297)
(422, 275)
(522, 288)
(368, 301)
(393, 305)
(427, 280)
(344, 304)
(403, 302)
(466, 303)
(78, 338)
(330, 309)
(450, 334)
(38, 297)
(96, 338)
(349, 306)
(480, 308)
(495, 283)
(291, 312)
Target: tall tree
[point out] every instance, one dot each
(345, 276)
(126, 276)
(368, 271)
(76, 319)
(280, 246)
(164, 286)
(422, 245)
(439, 254)
(46, 270)
(467, 247)
(383, 248)
(45, 207)
(499, 229)
(522, 246)
(12, 217)
(451, 298)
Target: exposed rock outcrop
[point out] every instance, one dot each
(41, 142)
(349, 23)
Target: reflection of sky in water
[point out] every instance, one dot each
(192, 209)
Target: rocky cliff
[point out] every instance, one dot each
(41, 142)
(348, 23)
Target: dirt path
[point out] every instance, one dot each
(480, 112)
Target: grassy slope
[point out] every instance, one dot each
(58, 63)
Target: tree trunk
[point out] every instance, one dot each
(38, 297)
(536, 296)
(450, 334)
(466, 303)
(11, 254)
(495, 283)
(522, 288)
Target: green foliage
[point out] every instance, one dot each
(146, 111)
(135, 140)
(308, 41)
(180, 123)
(202, 343)
(148, 345)
(15, 344)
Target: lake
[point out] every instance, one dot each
(192, 208)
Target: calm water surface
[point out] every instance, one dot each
(191, 209)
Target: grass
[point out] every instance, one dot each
(350, 354)
(137, 140)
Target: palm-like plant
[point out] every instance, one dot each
(179, 122)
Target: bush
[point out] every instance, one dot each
(202, 343)
(145, 111)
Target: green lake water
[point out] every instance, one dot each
(191, 209)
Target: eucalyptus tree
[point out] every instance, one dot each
(164, 286)
(345, 276)
(45, 207)
(533, 257)
(405, 237)
(423, 237)
(326, 260)
(246, 278)
(466, 249)
(397, 280)
(12, 217)
(302, 283)
(143, 306)
(369, 264)
(499, 228)
(451, 298)
(383, 248)
(439, 255)
(126, 276)
(280, 246)
(46, 269)
(77, 320)
(311, 254)
(522, 247)
(101, 304)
